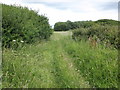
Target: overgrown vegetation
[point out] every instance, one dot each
(68, 25)
(106, 34)
(19, 24)
(60, 63)
(103, 30)
(98, 65)
(68, 59)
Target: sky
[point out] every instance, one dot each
(73, 10)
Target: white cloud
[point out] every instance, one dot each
(11, 1)
(48, 1)
(76, 10)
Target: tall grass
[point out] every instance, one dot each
(60, 63)
(40, 66)
(98, 65)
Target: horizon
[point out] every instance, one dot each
(72, 10)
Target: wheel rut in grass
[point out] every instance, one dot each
(44, 65)
(65, 72)
(58, 63)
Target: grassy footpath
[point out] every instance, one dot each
(60, 63)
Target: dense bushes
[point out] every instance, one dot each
(64, 26)
(104, 30)
(60, 26)
(105, 33)
(19, 24)
(107, 21)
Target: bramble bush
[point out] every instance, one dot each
(105, 33)
(21, 24)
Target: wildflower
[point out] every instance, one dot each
(21, 41)
(14, 40)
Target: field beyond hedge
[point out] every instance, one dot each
(60, 62)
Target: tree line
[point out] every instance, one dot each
(68, 25)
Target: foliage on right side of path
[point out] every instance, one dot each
(104, 34)
(103, 30)
(98, 65)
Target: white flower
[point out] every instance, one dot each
(14, 40)
(22, 41)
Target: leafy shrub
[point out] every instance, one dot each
(21, 24)
(61, 26)
(80, 34)
(106, 33)
(107, 21)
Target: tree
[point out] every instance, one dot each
(61, 26)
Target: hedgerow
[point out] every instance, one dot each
(68, 25)
(105, 33)
(20, 24)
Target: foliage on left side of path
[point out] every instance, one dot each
(20, 24)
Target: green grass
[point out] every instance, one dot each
(60, 63)
(98, 65)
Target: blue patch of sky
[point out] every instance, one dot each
(108, 6)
